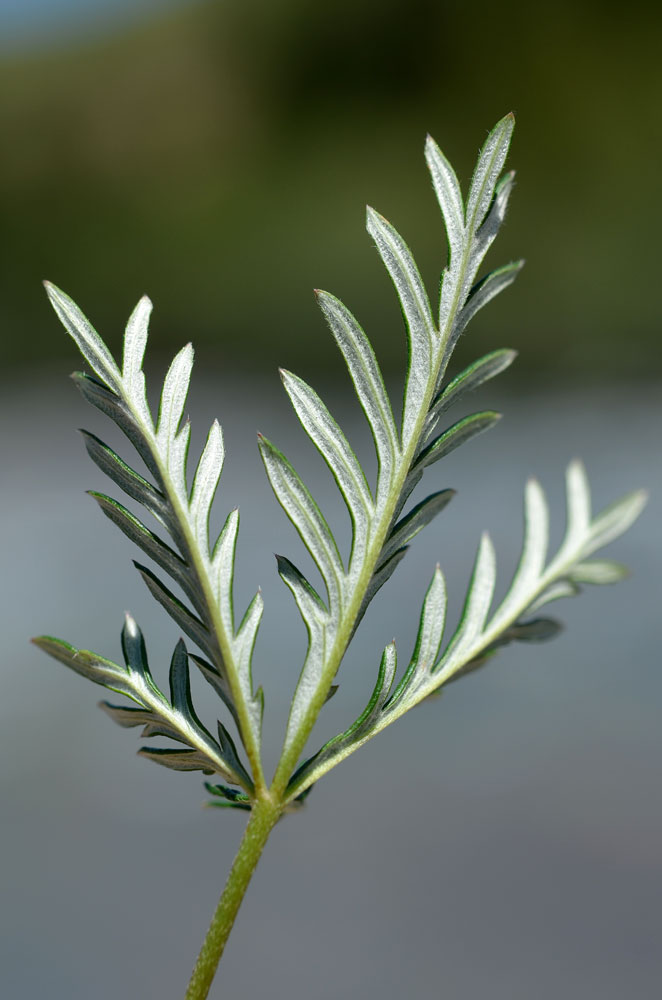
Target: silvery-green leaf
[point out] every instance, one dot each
(230, 754)
(338, 746)
(178, 760)
(615, 519)
(488, 170)
(382, 574)
(217, 680)
(477, 603)
(88, 664)
(558, 589)
(88, 341)
(243, 644)
(493, 222)
(180, 684)
(317, 620)
(578, 504)
(305, 515)
(112, 406)
(366, 376)
(135, 652)
(483, 292)
(334, 448)
(176, 450)
(223, 568)
(309, 602)
(598, 571)
(417, 519)
(467, 380)
(205, 483)
(158, 716)
(449, 196)
(428, 639)
(135, 341)
(431, 627)
(180, 614)
(150, 543)
(534, 552)
(125, 477)
(129, 717)
(455, 436)
(174, 393)
(416, 309)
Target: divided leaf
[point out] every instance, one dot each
(479, 635)
(380, 532)
(183, 513)
(174, 718)
(203, 570)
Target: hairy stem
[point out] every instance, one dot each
(264, 816)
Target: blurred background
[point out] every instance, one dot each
(504, 841)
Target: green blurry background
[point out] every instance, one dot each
(218, 156)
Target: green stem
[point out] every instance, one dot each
(264, 816)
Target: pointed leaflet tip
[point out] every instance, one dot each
(131, 625)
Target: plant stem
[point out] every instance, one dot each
(264, 816)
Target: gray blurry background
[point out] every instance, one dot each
(504, 840)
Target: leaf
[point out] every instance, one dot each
(416, 309)
(382, 575)
(599, 571)
(534, 551)
(114, 407)
(338, 746)
(175, 719)
(173, 396)
(476, 605)
(178, 760)
(334, 448)
(309, 602)
(87, 664)
(494, 220)
(458, 434)
(218, 681)
(417, 519)
(578, 501)
(205, 484)
(366, 376)
(185, 619)
(471, 378)
(536, 630)
(125, 477)
(180, 685)
(428, 639)
(483, 292)
(135, 340)
(558, 589)
(88, 341)
(232, 798)
(151, 544)
(183, 513)
(449, 196)
(490, 164)
(616, 519)
(297, 502)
